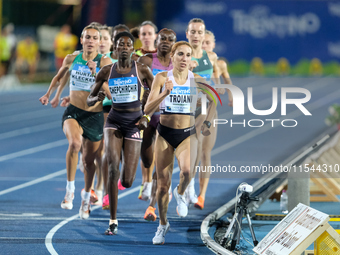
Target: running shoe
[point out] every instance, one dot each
(182, 208)
(140, 191)
(67, 203)
(85, 209)
(190, 194)
(112, 230)
(160, 234)
(146, 192)
(150, 214)
(99, 197)
(106, 202)
(200, 203)
(93, 198)
(120, 186)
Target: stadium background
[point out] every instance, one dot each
(257, 37)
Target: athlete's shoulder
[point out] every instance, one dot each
(76, 52)
(162, 75)
(222, 64)
(105, 60)
(145, 59)
(212, 55)
(196, 75)
(141, 66)
(70, 58)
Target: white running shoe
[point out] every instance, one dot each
(160, 234)
(67, 203)
(182, 208)
(85, 208)
(190, 194)
(146, 192)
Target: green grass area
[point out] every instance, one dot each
(304, 67)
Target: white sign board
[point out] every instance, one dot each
(291, 231)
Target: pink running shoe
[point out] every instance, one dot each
(106, 202)
(120, 186)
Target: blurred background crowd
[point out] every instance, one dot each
(256, 37)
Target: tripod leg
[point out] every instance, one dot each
(237, 231)
(225, 238)
(251, 229)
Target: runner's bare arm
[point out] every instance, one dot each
(55, 101)
(226, 77)
(97, 93)
(155, 98)
(146, 60)
(211, 106)
(57, 78)
(216, 72)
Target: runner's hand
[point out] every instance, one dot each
(205, 130)
(142, 123)
(44, 99)
(101, 96)
(168, 85)
(92, 65)
(55, 102)
(65, 101)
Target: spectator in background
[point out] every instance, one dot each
(27, 53)
(5, 52)
(64, 43)
(135, 32)
(12, 40)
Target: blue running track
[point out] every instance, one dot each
(33, 174)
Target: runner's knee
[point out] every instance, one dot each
(75, 146)
(114, 173)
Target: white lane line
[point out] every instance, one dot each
(27, 116)
(20, 238)
(29, 130)
(27, 184)
(128, 217)
(21, 215)
(50, 234)
(34, 150)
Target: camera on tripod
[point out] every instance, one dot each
(245, 188)
(230, 240)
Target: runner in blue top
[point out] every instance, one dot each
(82, 125)
(122, 83)
(205, 65)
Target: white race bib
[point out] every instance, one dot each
(81, 78)
(124, 90)
(182, 99)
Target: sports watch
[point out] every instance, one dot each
(208, 123)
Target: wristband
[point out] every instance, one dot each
(147, 117)
(207, 123)
(94, 75)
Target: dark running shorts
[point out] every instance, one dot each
(91, 122)
(125, 122)
(175, 136)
